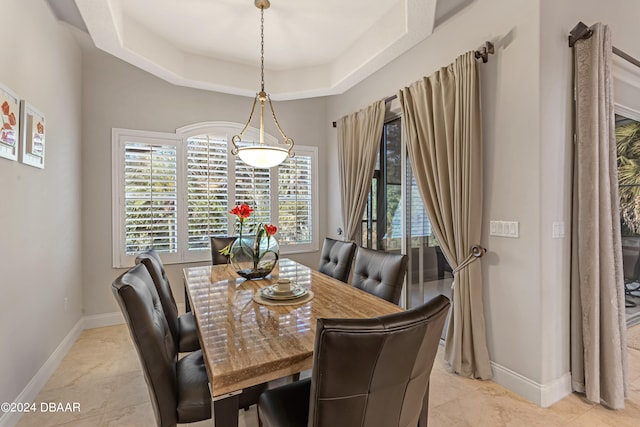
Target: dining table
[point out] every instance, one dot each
(247, 340)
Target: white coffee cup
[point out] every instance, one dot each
(284, 285)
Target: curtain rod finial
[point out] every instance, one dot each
(484, 51)
(579, 32)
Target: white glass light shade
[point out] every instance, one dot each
(262, 156)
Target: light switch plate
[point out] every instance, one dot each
(504, 229)
(557, 230)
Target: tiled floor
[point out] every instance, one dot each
(101, 372)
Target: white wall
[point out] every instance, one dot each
(116, 94)
(40, 210)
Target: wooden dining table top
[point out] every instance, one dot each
(245, 343)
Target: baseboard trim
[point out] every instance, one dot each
(543, 395)
(29, 393)
(102, 320)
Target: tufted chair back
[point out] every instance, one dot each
(366, 372)
(336, 259)
(152, 261)
(380, 273)
(153, 340)
(218, 243)
(183, 328)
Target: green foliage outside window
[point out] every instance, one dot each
(628, 153)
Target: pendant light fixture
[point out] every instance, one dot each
(261, 155)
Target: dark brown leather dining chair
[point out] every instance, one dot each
(366, 372)
(218, 243)
(336, 259)
(179, 389)
(183, 328)
(380, 273)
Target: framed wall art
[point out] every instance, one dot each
(10, 131)
(32, 138)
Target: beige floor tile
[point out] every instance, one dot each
(80, 366)
(602, 417)
(634, 364)
(90, 396)
(245, 419)
(248, 418)
(493, 405)
(131, 416)
(129, 389)
(94, 421)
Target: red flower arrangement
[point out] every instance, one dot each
(257, 250)
(242, 211)
(270, 230)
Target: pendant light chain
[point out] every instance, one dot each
(262, 49)
(262, 155)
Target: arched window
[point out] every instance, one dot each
(172, 191)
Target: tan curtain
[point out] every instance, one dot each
(441, 116)
(358, 142)
(598, 329)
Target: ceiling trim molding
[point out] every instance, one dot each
(404, 26)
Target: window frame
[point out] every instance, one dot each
(120, 137)
(119, 141)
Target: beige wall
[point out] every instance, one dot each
(118, 95)
(40, 247)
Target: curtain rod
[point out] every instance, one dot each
(481, 53)
(625, 56)
(582, 32)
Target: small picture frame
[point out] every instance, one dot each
(32, 137)
(9, 123)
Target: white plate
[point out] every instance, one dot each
(272, 292)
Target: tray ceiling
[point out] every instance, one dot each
(312, 48)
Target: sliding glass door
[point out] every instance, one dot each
(628, 151)
(395, 221)
(382, 220)
(428, 274)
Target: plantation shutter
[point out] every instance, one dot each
(252, 188)
(172, 191)
(150, 198)
(207, 180)
(295, 205)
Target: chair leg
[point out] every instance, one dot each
(258, 413)
(424, 413)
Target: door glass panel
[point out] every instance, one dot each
(428, 273)
(388, 215)
(628, 150)
(389, 208)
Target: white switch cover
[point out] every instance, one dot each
(557, 231)
(504, 229)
